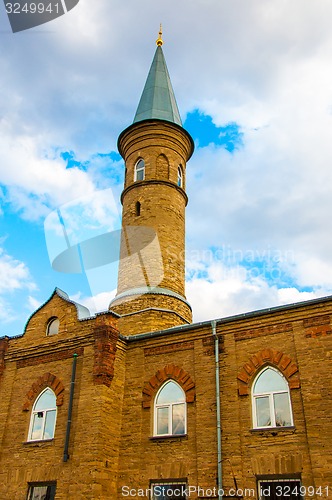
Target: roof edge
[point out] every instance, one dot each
(227, 319)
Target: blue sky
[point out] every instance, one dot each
(253, 83)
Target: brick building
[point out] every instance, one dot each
(140, 402)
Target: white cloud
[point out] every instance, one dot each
(225, 291)
(97, 303)
(14, 276)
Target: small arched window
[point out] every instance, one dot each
(170, 410)
(53, 326)
(180, 176)
(137, 208)
(271, 400)
(43, 417)
(140, 170)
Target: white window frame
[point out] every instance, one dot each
(139, 170)
(44, 411)
(270, 395)
(170, 411)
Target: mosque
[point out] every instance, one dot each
(138, 401)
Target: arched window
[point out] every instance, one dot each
(180, 176)
(140, 170)
(271, 400)
(170, 410)
(53, 326)
(43, 416)
(138, 208)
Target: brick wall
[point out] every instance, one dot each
(112, 443)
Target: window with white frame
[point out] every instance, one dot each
(43, 417)
(140, 170)
(271, 400)
(180, 176)
(41, 491)
(170, 410)
(169, 490)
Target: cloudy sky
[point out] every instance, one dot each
(253, 81)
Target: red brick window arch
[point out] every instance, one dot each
(169, 372)
(47, 380)
(277, 359)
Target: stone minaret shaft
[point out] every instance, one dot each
(155, 148)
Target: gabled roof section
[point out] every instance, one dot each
(158, 99)
(82, 311)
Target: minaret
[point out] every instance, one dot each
(155, 148)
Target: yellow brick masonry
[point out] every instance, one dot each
(164, 147)
(111, 444)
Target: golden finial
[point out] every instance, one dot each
(160, 41)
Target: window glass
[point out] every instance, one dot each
(53, 327)
(263, 412)
(162, 419)
(37, 424)
(180, 176)
(45, 400)
(43, 417)
(49, 424)
(282, 409)
(140, 170)
(178, 419)
(170, 392)
(269, 380)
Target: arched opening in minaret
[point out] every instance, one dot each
(140, 170)
(180, 176)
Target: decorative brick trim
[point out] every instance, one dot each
(47, 380)
(209, 345)
(48, 358)
(316, 321)
(179, 346)
(318, 331)
(263, 358)
(3, 349)
(106, 338)
(263, 330)
(173, 372)
(317, 326)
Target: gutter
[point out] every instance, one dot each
(216, 353)
(226, 320)
(70, 409)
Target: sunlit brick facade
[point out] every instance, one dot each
(127, 403)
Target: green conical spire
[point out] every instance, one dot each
(158, 100)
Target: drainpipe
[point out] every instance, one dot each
(70, 408)
(216, 353)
